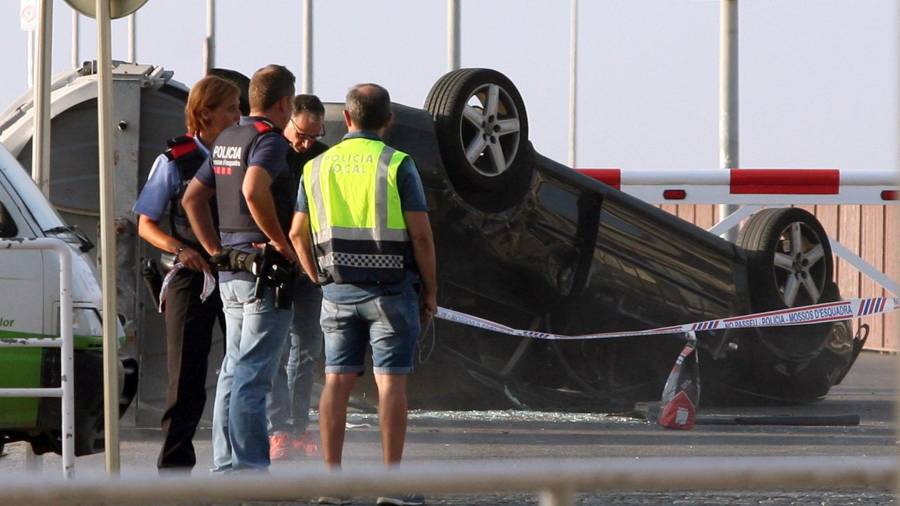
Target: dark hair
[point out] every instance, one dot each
(207, 94)
(240, 80)
(310, 104)
(369, 106)
(269, 85)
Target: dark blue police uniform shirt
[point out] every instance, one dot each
(270, 153)
(412, 198)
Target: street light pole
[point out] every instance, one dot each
(209, 47)
(132, 38)
(452, 34)
(307, 77)
(40, 145)
(728, 98)
(108, 239)
(573, 82)
(75, 30)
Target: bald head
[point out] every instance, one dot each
(369, 106)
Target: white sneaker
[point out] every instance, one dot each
(338, 501)
(401, 500)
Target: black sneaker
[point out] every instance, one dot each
(401, 500)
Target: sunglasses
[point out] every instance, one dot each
(307, 136)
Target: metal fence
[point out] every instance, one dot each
(555, 481)
(66, 390)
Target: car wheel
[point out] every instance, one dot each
(482, 131)
(789, 258)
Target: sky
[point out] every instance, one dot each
(818, 78)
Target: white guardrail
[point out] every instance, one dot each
(64, 342)
(556, 482)
(753, 189)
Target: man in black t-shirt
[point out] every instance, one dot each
(288, 403)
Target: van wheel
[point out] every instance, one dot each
(482, 131)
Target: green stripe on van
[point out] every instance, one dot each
(19, 368)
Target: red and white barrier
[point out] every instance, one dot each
(754, 186)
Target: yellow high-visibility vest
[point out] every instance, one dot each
(355, 214)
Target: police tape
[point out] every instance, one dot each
(804, 315)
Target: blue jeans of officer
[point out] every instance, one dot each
(255, 332)
(288, 404)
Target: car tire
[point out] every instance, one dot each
(482, 131)
(789, 265)
(789, 258)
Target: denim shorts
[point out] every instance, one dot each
(387, 323)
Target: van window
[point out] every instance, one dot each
(8, 227)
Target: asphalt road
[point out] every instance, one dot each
(869, 391)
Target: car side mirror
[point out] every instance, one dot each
(8, 227)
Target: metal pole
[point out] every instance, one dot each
(132, 38)
(728, 97)
(75, 26)
(29, 60)
(209, 48)
(67, 358)
(452, 34)
(40, 145)
(307, 77)
(107, 240)
(573, 81)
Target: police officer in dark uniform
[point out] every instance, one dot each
(248, 174)
(212, 107)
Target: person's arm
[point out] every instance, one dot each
(302, 245)
(148, 230)
(196, 205)
(257, 193)
(419, 229)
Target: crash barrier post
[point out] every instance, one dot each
(556, 487)
(754, 189)
(66, 389)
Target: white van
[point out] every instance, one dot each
(29, 307)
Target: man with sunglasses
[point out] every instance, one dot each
(288, 402)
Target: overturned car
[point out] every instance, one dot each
(532, 244)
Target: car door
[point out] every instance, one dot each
(21, 311)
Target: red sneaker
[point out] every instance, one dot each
(280, 446)
(306, 444)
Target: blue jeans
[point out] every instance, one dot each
(255, 332)
(387, 323)
(288, 404)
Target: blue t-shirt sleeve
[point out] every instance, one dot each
(205, 174)
(302, 204)
(270, 153)
(162, 186)
(409, 184)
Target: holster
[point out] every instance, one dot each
(277, 272)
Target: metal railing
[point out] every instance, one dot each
(555, 482)
(66, 390)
